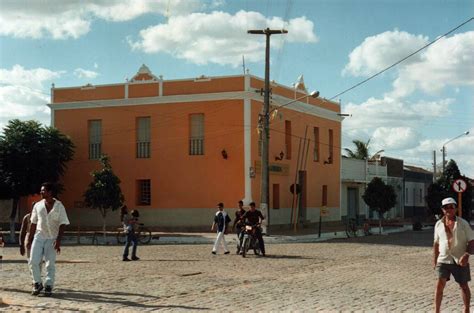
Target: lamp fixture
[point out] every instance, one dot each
(224, 154)
(280, 156)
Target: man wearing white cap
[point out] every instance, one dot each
(452, 235)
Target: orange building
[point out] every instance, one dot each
(181, 146)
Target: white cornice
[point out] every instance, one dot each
(221, 96)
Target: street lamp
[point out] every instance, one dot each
(313, 94)
(443, 150)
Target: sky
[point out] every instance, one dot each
(409, 111)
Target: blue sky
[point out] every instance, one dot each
(408, 111)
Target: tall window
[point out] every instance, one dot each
(144, 192)
(421, 196)
(143, 137)
(324, 198)
(288, 140)
(276, 196)
(196, 134)
(331, 147)
(316, 144)
(95, 139)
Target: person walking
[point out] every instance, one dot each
(221, 220)
(130, 225)
(48, 219)
(238, 223)
(452, 237)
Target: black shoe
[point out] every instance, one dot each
(37, 289)
(135, 258)
(213, 252)
(227, 252)
(126, 259)
(48, 291)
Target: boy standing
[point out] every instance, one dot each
(221, 220)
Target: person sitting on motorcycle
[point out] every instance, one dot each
(238, 222)
(254, 217)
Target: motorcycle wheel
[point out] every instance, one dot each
(245, 246)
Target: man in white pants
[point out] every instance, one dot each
(48, 219)
(221, 220)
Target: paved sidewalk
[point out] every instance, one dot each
(173, 238)
(391, 273)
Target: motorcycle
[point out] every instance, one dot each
(250, 240)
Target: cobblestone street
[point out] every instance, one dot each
(376, 273)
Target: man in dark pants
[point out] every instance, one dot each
(238, 222)
(255, 217)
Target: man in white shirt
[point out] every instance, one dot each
(452, 235)
(48, 219)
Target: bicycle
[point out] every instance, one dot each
(143, 235)
(352, 228)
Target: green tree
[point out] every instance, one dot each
(443, 188)
(361, 152)
(380, 198)
(104, 191)
(30, 154)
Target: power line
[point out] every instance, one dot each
(400, 61)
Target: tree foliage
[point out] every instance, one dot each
(361, 152)
(104, 191)
(443, 187)
(31, 154)
(379, 196)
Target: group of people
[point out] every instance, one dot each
(221, 222)
(43, 228)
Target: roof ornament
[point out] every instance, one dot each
(144, 75)
(300, 84)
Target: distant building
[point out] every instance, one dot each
(416, 183)
(181, 146)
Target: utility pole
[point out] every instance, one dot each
(444, 157)
(434, 166)
(265, 188)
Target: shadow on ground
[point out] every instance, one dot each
(423, 238)
(118, 298)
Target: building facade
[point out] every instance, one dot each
(181, 146)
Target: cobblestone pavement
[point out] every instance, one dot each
(369, 274)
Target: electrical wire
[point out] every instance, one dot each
(400, 61)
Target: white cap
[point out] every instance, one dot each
(447, 201)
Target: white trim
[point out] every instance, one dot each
(96, 86)
(126, 90)
(302, 107)
(52, 117)
(160, 92)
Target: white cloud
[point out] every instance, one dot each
(22, 94)
(449, 62)
(395, 138)
(219, 37)
(379, 51)
(82, 73)
(391, 112)
(72, 19)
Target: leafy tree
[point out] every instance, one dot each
(30, 154)
(380, 198)
(361, 152)
(104, 191)
(443, 188)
